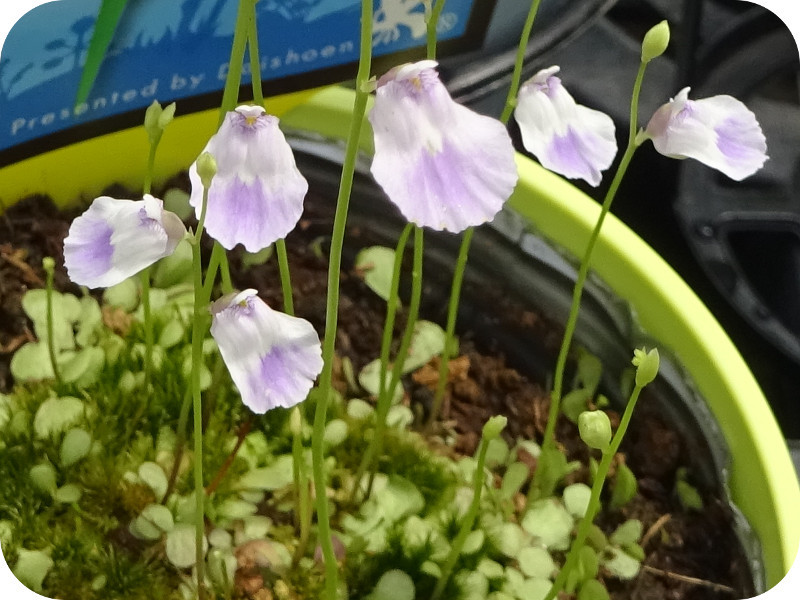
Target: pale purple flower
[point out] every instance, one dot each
(115, 239)
(273, 358)
(570, 139)
(256, 197)
(720, 132)
(443, 165)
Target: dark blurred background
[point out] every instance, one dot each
(736, 244)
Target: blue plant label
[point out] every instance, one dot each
(178, 50)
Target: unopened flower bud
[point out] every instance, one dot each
(595, 429)
(166, 116)
(655, 42)
(646, 364)
(48, 264)
(296, 422)
(493, 427)
(206, 168)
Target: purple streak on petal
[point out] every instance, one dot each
(448, 189)
(279, 380)
(576, 156)
(250, 213)
(88, 251)
(739, 141)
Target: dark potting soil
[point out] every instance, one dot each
(690, 555)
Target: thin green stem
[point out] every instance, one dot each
(558, 383)
(49, 266)
(467, 522)
(199, 326)
(302, 504)
(516, 76)
(286, 279)
(255, 62)
(375, 448)
(386, 343)
(147, 186)
(331, 321)
(431, 23)
(230, 96)
(145, 273)
(144, 278)
(594, 498)
(449, 334)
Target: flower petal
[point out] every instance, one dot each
(443, 165)
(568, 138)
(273, 358)
(720, 132)
(257, 195)
(115, 239)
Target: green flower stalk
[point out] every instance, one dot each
(548, 442)
(491, 430)
(300, 476)
(331, 320)
(49, 266)
(206, 166)
(466, 240)
(595, 434)
(156, 120)
(384, 396)
(386, 393)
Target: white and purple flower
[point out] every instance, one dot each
(273, 358)
(115, 239)
(570, 139)
(443, 165)
(256, 196)
(720, 132)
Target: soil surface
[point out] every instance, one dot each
(689, 555)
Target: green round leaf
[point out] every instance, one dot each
(550, 522)
(576, 499)
(394, 585)
(153, 475)
(75, 446)
(536, 562)
(124, 295)
(376, 265)
(43, 477)
(32, 567)
(56, 415)
(68, 494)
(180, 546)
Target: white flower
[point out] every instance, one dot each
(568, 138)
(256, 197)
(443, 165)
(273, 358)
(115, 239)
(719, 131)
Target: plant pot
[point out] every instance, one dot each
(635, 288)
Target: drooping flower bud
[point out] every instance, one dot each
(646, 364)
(595, 429)
(206, 168)
(494, 426)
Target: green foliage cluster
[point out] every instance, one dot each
(96, 497)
